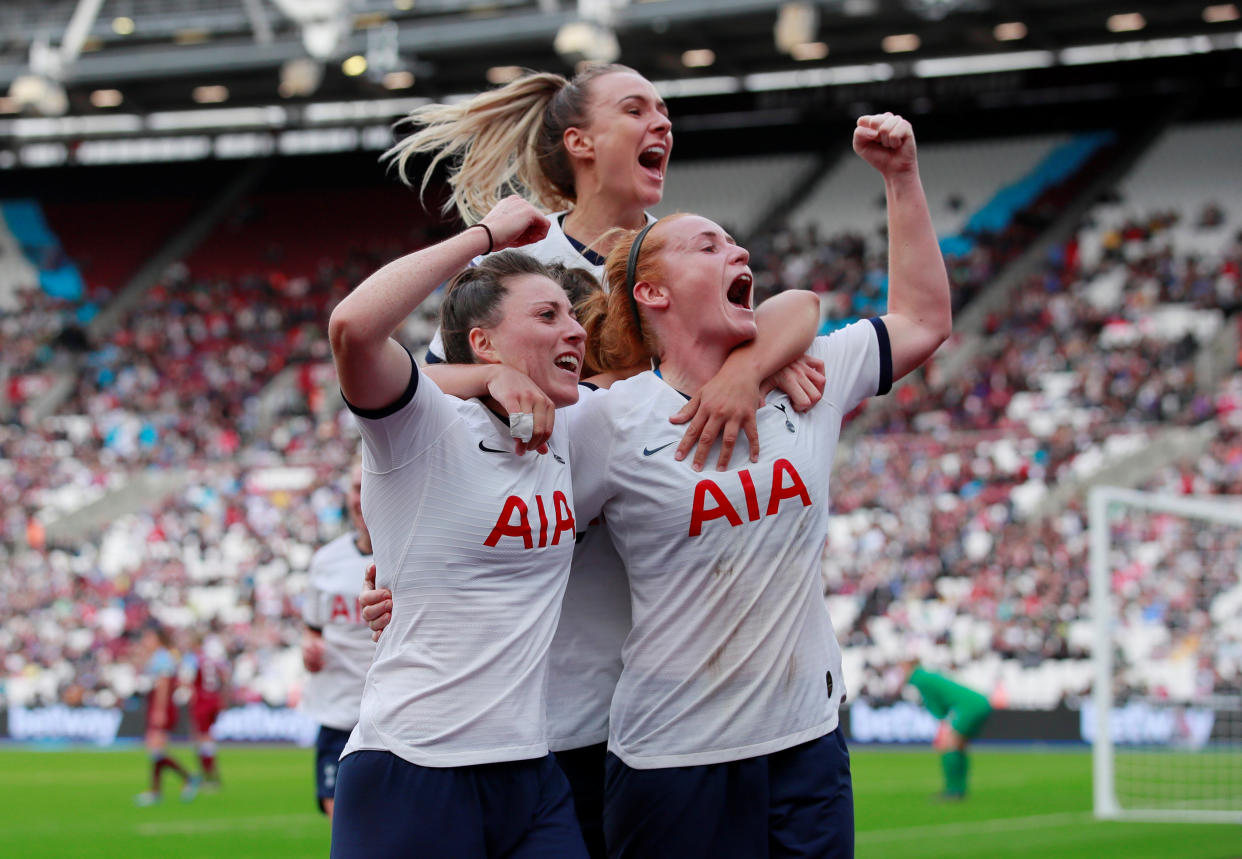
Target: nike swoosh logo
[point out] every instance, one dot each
(649, 451)
(482, 446)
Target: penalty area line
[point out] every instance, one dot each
(970, 827)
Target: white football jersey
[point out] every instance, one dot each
(732, 653)
(332, 694)
(475, 545)
(585, 661)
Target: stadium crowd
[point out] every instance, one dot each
(935, 538)
(936, 502)
(177, 389)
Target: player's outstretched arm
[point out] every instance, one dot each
(726, 405)
(920, 313)
(372, 367)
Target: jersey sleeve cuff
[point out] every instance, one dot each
(886, 356)
(397, 405)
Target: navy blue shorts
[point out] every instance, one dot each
(329, 743)
(584, 768)
(795, 802)
(387, 806)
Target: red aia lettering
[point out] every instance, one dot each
(564, 517)
(702, 514)
(340, 608)
(514, 521)
(796, 488)
(543, 522)
(503, 528)
(786, 483)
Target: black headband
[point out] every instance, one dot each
(631, 266)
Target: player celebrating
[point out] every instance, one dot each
(208, 668)
(596, 148)
(161, 667)
(475, 546)
(723, 731)
(584, 658)
(336, 644)
(962, 712)
(601, 144)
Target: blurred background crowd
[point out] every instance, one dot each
(178, 451)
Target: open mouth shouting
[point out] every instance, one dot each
(740, 290)
(569, 362)
(653, 160)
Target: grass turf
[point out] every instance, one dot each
(68, 803)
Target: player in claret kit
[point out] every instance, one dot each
(208, 669)
(160, 666)
(336, 644)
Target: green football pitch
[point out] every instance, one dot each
(1034, 803)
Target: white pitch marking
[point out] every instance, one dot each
(1003, 824)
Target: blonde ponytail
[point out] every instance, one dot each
(503, 141)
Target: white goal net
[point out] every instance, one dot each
(1166, 605)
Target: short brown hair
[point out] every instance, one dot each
(472, 299)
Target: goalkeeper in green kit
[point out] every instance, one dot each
(962, 712)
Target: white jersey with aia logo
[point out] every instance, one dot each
(732, 652)
(585, 660)
(332, 695)
(475, 545)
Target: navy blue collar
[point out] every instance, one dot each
(589, 255)
(660, 376)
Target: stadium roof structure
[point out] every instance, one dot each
(312, 63)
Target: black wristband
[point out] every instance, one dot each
(490, 242)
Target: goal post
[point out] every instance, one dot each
(1167, 721)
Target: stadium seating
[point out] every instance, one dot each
(960, 178)
(734, 192)
(947, 536)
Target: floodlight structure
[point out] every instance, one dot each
(796, 24)
(592, 38)
(324, 24)
(42, 90)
